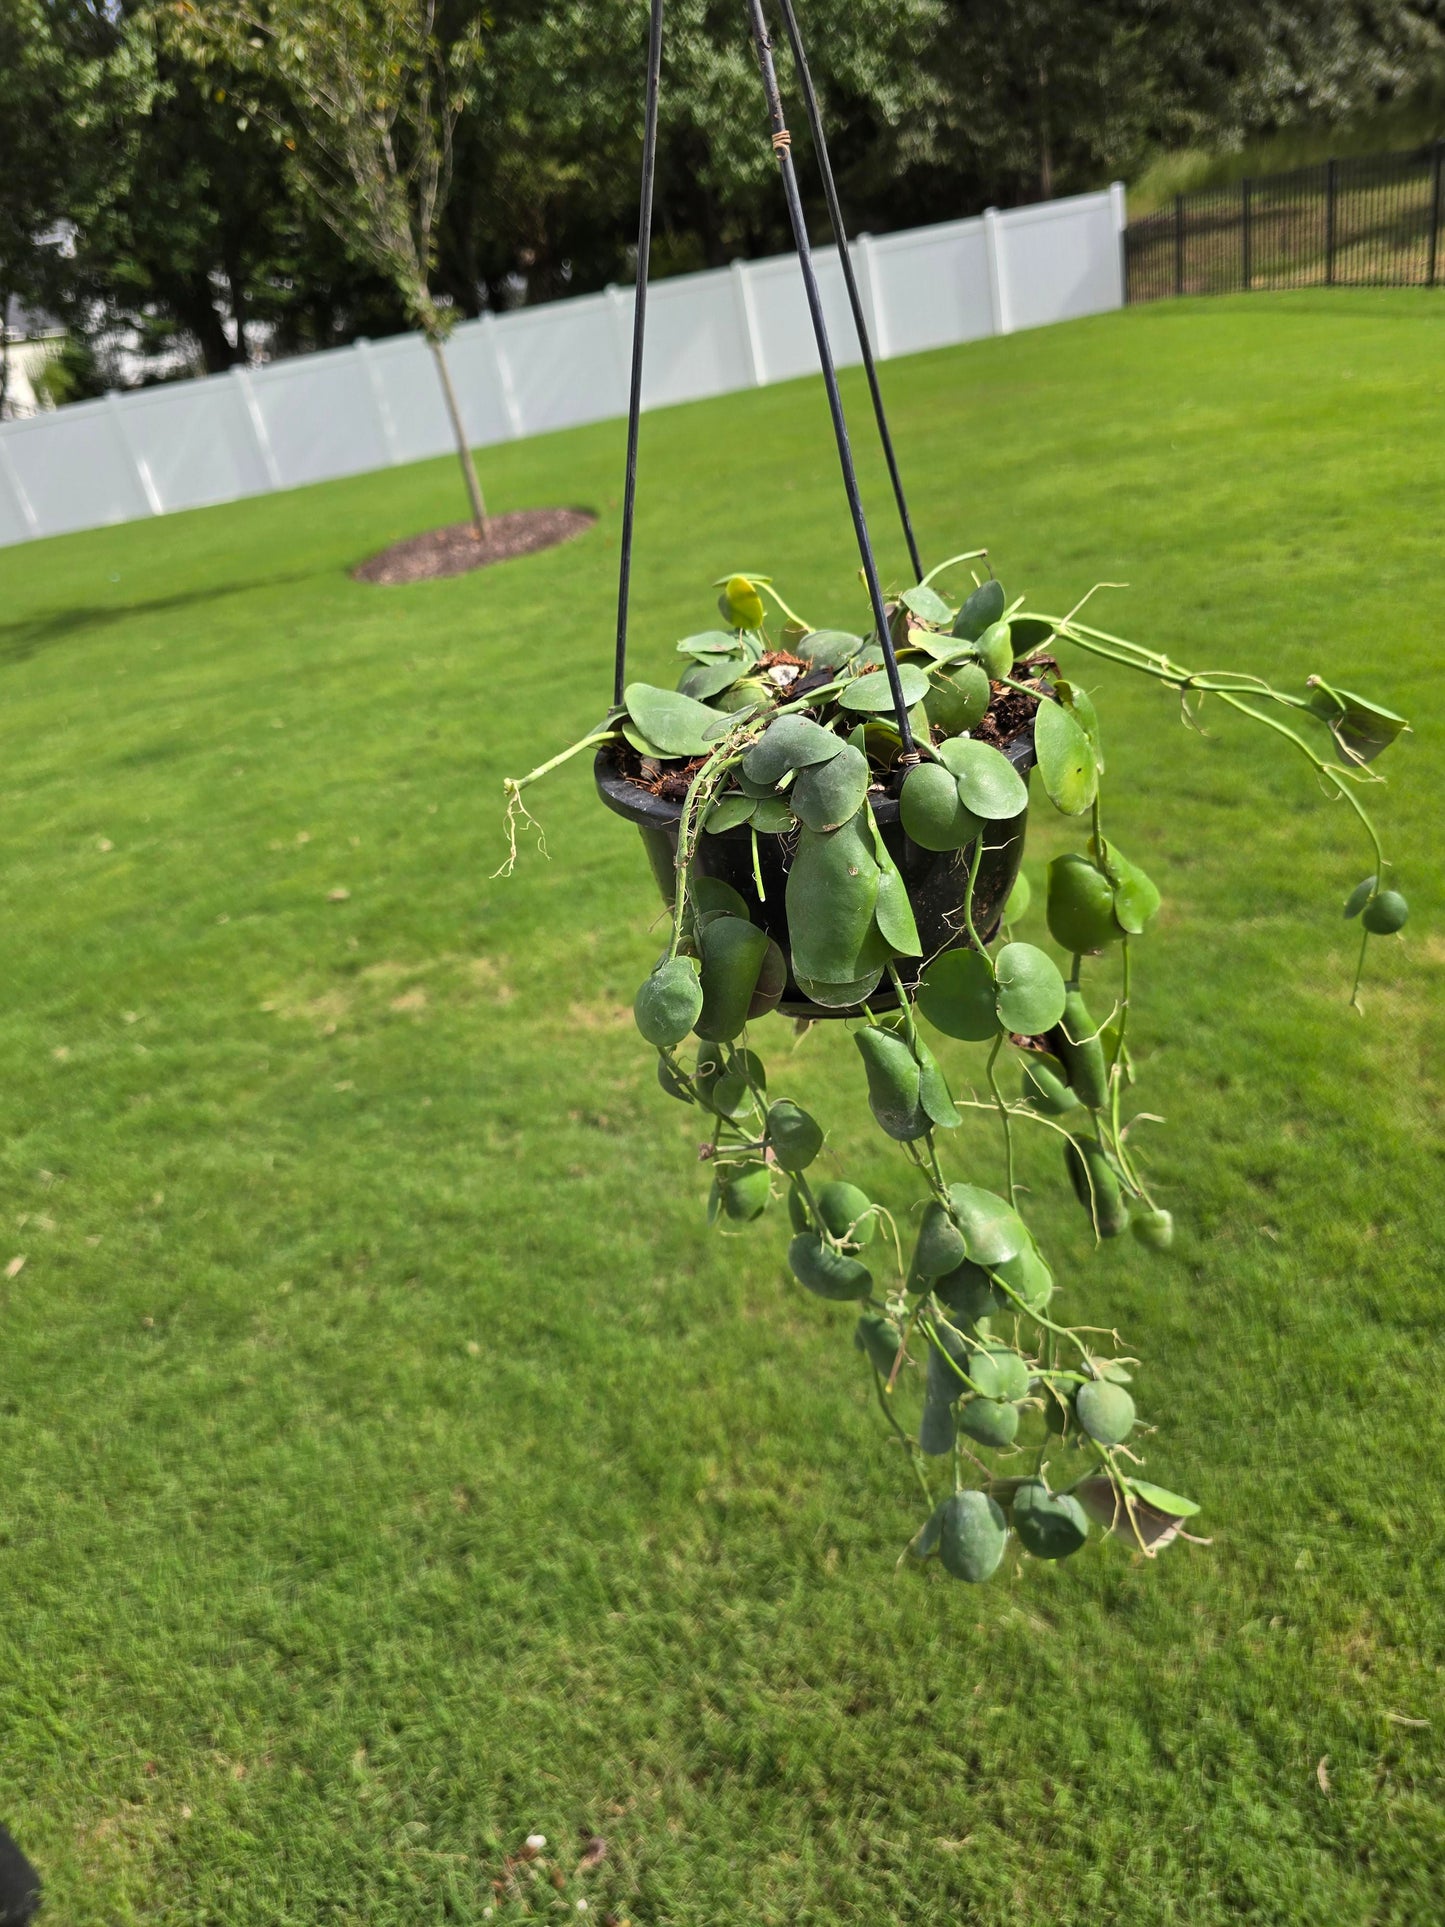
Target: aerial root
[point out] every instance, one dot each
(517, 814)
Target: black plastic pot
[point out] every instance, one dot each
(936, 880)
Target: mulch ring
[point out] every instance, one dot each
(456, 551)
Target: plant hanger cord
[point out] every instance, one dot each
(850, 279)
(782, 147)
(639, 327)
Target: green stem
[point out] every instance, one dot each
(973, 867)
(1337, 777)
(1355, 1003)
(791, 614)
(909, 1445)
(1004, 1119)
(969, 555)
(513, 784)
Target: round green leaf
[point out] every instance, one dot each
(642, 744)
(838, 996)
(926, 603)
(826, 1272)
(958, 996)
(1386, 913)
(711, 677)
(1082, 705)
(1105, 1411)
(992, 1230)
(848, 1214)
(1050, 1525)
(669, 1003)
(933, 1089)
(1028, 1277)
(982, 609)
(894, 911)
(790, 742)
(988, 783)
(729, 814)
(971, 1543)
(1066, 759)
(970, 1294)
(772, 982)
(1163, 1500)
(796, 1137)
(826, 795)
(744, 1191)
(1030, 990)
(712, 897)
(931, 811)
(677, 724)
(732, 956)
(872, 694)
(988, 1421)
(877, 1338)
(999, 1373)
(771, 816)
(1360, 896)
(712, 642)
(1019, 899)
(1135, 898)
(827, 648)
(894, 1083)
(940, 1247)
(959, 699)
(1153, 1228)
(832, 892)
(996, 649)
(1080, 906)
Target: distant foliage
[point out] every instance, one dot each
(532, 109)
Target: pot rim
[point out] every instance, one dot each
(638, 805)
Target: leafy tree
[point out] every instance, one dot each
(70, 87)
(364, 97)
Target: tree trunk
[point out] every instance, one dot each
(1046, 157)
(464, 453)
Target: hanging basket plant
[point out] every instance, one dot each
(836, 820)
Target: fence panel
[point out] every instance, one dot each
(195, 443)
(785, 344)
(74, 468)
(566, 362)
(930, 286)
(408, 395)
(1059, 259)
(1366, 221)
(321, 417)
(556, 365)
(697, 337)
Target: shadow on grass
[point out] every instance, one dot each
(19, 641)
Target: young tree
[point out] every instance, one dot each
(365, 96)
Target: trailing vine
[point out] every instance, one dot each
(788, 771)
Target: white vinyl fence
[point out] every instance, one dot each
(349, 410)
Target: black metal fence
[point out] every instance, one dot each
(1363, 223)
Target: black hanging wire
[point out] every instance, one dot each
(782, 146)
(639, 325)
(855, 300)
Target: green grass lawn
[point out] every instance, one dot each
(395, 1465)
